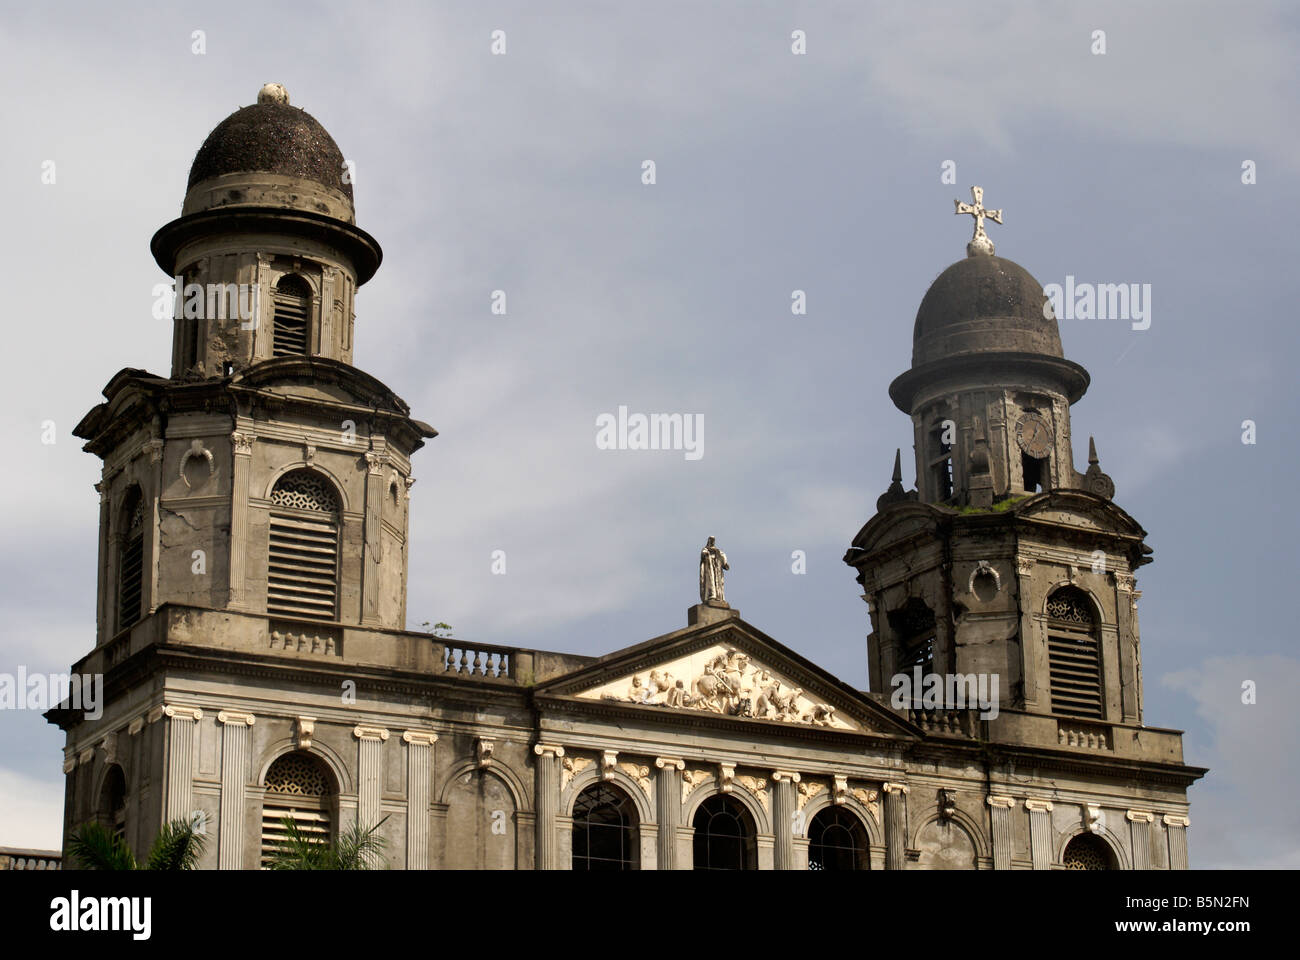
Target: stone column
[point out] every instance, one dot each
(180, 760)
(263, 323)
(1177, 827)
(1028, 632)
(327, 345)
(1003, 839)
(784, 805)
(1040, 832)
(1130, 658)
(419, 766)
(241, 447)
(374, 538)
(547, 803)
(668, 808)
(370, 768)
(102, 617)
(234, 775)
(895, 825)
(153, 524)
(1139, 826)
(85, 771)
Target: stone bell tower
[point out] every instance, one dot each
(1005, 560)
(266, 474)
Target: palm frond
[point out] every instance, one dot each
(360, 849)
(177, 847)
(95, 847)
(355, 849)
(299, 851)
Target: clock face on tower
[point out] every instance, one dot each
(1034, 434)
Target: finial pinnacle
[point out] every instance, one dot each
(1094, 480)
(273, 93)
(980, 244)
(898, 465)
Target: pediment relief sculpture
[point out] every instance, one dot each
(724, 680)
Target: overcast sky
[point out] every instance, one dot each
(775, 172)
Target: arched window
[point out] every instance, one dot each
(605, 834)
(1088, 852)
(300, 787)
(724, 835)
(940, 459)
(1074, 655)
(481, 831)
(1033, 470)
(292, 310)
(130, 560)
(914, 629)
(837, 840)
(302, 558)
(112, 802)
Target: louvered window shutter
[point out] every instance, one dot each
(131, 568)
(292, 312)
(297, 787)
(302, 560)
(1074, 656)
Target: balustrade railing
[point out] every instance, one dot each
(480, 661)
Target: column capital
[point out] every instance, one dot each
(375, 463)
(362, 732)
(1175, 820)
(1006, 802)
(155, 450)
(664, 762)
(184, 713)
(1139, 816)
(230, 716)
(554, 749)
(419, 738)
(779, 775)
(889, 787)
(243, 443)
(1037, 803)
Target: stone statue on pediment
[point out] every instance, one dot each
(712, 564)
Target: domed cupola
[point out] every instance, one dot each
(270, 154)
(984, 304)
(266, 248)
(989, 388)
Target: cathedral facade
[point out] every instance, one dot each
(254, 519)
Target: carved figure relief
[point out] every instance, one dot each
(726, 681)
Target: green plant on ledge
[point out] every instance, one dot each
(1002, 506)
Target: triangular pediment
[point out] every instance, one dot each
(735, 672)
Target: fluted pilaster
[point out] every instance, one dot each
(235, 728)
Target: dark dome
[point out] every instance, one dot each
(271, 138)
(983, 304)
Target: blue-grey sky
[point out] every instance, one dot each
(775, 172)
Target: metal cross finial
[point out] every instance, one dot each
(980, 242)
